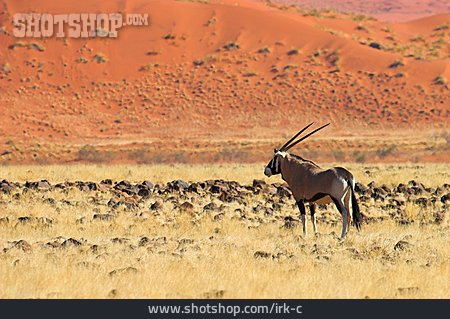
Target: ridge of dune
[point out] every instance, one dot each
(393, 11)
(425, 25)
(245, 24)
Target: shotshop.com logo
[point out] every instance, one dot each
(73, 25)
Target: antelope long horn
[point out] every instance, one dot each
(306, 136)
(285, 146)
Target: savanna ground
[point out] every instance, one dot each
(217, 239)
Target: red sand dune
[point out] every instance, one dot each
(149, 86)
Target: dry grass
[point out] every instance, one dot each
(221, 258)
(188, 254)
(430, 174)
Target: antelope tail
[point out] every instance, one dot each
(356, 214)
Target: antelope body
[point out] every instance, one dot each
(312, 185)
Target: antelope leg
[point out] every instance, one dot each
(341, 208)
(301, 207)
(312, 208)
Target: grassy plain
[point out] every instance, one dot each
(62, 251)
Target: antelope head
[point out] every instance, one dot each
(274, 166)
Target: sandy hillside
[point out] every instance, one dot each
(205, 79)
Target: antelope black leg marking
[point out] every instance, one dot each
(301, 207)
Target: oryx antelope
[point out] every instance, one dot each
(313, 185)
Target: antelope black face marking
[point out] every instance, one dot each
(274, 166)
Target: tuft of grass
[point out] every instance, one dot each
(289, 67)
(169, 36)
(441, 27)
(264, 50)
(333, 58)
(198, 62)
(18, 44)
(31, 46)
(100, 58)
(230, 46)
(361, 17)
(36, 46)
(6, 68)
(210, 58)
(361, 27)
(152, 53)
(82, 60)
(101, 32)
(313, 13)
(148, 67)
(440, 80)
(396, 64)
(418, 38)
(375, 45)
(211, 21)
(250, 74)
(294, 51)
